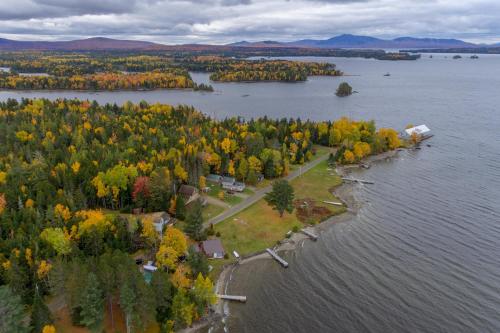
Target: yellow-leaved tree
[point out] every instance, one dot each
(167, 257)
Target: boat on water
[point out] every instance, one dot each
(387, 74)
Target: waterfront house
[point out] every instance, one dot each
(189, 193)
(212, 248)
(230, 183)
(421, 130)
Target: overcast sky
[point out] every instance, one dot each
(223, 21)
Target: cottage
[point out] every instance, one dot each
(189, 193)
(212, 248)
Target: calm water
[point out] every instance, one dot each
(423, 253)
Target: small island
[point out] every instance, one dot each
(344, 90)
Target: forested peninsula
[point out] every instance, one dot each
(84, 187)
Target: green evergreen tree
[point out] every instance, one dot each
(194, 221)
(281, 197)
(127, 303)
(180, 208)
(92, 304)
(40, 313)
(163, 292)
(11, 312)
(198, 262)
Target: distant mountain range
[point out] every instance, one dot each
(365, 42)
(96, 43)
(338, 42)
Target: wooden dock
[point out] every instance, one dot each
(361, 181)
(241, 299)
(333, 203)
(310, 234)
(277, 258)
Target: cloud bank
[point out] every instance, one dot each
(224, 21)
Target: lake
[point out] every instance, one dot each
(423, 252)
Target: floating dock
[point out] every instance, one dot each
(241, 299)
(310, 234)
(333, 203)
(277, 258)
(357, 180)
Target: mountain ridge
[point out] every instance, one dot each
(345, 41)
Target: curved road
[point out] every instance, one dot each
(262, 192)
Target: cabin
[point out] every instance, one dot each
(230, 183)
(189, 193)
(421, 130)
(212, 248)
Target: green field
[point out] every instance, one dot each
(258, 226)
(210, 211)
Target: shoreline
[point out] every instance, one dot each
(344, 192)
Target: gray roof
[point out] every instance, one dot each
(228, 180)
(212, 246)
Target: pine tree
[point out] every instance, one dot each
(180, 208)
(281, 197)
(163, 292)
(194, 221)
(92, 304)
(11, 312)
(40, 313)
(127, 303)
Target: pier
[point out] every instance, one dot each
(241, 299)
(361, 181)
(277, 258)
(310, 234)
(333, 203)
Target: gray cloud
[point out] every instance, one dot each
(222, 21)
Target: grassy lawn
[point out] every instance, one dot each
(210, 211)
(316, 184)
(258, 226)
(248, 191)
(230, 199)
(254, 229)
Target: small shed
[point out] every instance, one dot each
(213, 248)
(189, 193)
